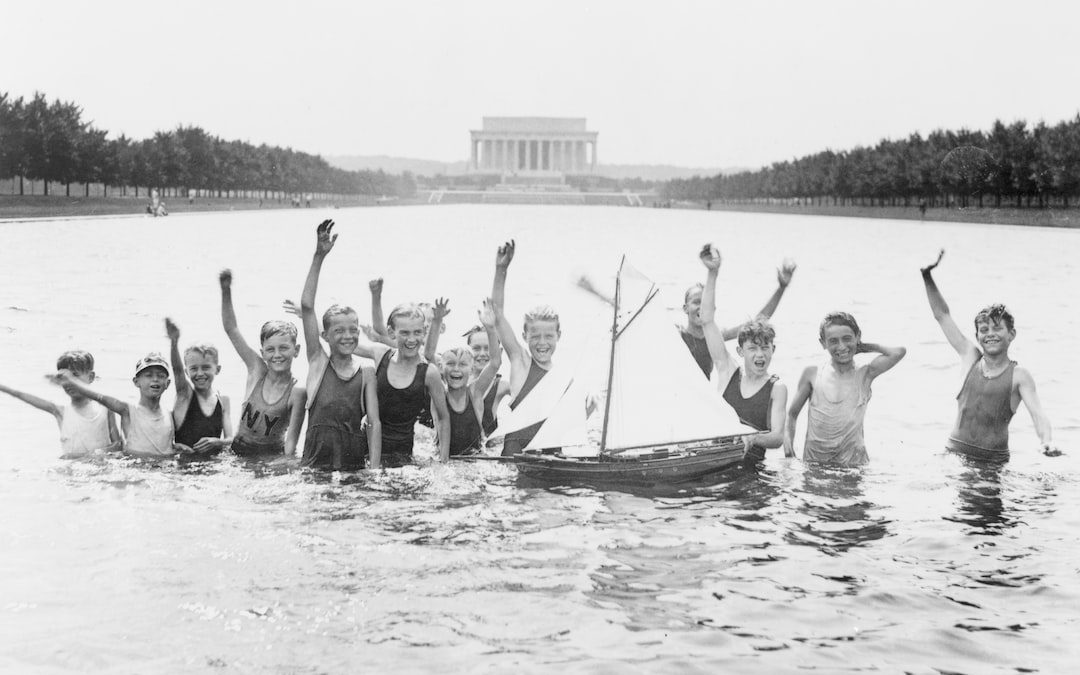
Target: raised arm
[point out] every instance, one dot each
(437, 394)
(967, 350)
(1026, 386)
(783, 279)
(64, 379)
(439, 312)
(802, 395)
(480, 385)
(39, 403)
(378, 323)
(324, 243)
(180, 378)
(510, 343)
(249, 356)
(722, 361)
(886, 359)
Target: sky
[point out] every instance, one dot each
(697, 84)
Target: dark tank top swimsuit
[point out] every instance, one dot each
(490, 421)
(334, 440)
(753, 411)
(515, 441)
(465, 431)
(398, 410)
(197, 425)
(985, 410)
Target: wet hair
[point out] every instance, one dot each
(690, 291)
(471, 332)
(838, 319)
(542, 313)
(759, 332)
(203, 349)
(77, 361)
(460, 353)
(337, 310)
(407, 310)
(992, 314)
(272, 328)
(428, 309)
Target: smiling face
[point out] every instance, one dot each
(201, 370)
(542, 337)
(455, 367)
(994, 337)
(756, 357)
(692, 306)
(278, 351)
(152, 382)
(841, 342)
(409, 331)
(342, 333)
(481, 351)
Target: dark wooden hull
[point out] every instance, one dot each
(667, 465)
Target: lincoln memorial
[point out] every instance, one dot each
(533, 146)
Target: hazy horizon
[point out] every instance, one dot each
(693, 84)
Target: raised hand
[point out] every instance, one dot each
(505, 254)
(291, 307)
(710, 257)
(371, 333)
(930, 268)
(487, 314)
(172, 330)
(60, 377)
(375, 285)
(225, 278)
(785, 272)
(441, 309)
(324, 242)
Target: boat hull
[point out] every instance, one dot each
(663, 466)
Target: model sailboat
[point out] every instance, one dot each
(662, 422)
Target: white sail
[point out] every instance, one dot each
(658, 395)
(566, 426)
(538, 404)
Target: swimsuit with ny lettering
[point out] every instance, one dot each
(263, 425)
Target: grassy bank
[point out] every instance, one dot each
(1002, 216)
(59, 206)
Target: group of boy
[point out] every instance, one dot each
(359, 415)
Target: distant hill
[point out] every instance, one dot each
(427, 167)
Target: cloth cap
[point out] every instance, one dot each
(149, 361)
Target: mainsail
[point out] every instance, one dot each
(657, 394)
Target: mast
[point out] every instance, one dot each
(611, 363)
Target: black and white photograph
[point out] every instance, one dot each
(539, 337)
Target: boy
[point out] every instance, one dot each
(341, 391)
(273, 405)
(994, 385)
(756, 396)
(838, 393)
(201, 415)
(694, 332)
(541, 332)
(480, 345)
(86, 427)
(148, 430)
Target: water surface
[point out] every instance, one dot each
(918, 563)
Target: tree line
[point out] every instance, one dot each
(50, 142)
(1011, 164)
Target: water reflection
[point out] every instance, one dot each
(979, 501)
(833, 513)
